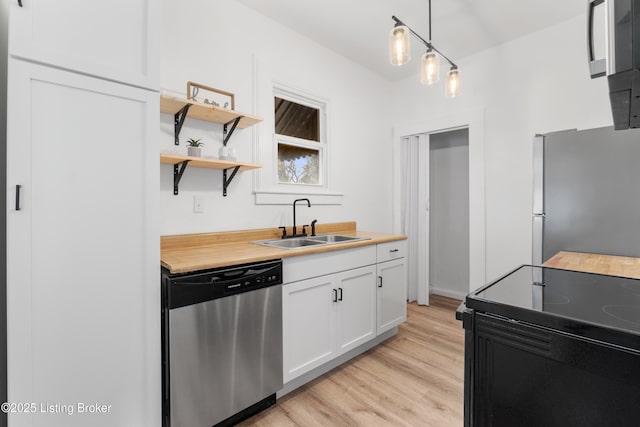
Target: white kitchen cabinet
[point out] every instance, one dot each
(356, 308)
(113, 39)
(82, 246)
(327, 316)
(309, 323)
(392, 285)
(392, 294)
(331, 304)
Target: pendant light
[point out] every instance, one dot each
(453, 82)
(430, 66)
(430, 70)
(399, 45)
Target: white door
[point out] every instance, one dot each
(415, 209)
(308, 320)
(115, 39)
(356, 323)
(82, 248)
(392, 306)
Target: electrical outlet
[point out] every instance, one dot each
(198, 204)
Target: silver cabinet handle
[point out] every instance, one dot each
(18, 187)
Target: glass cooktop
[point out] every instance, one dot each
(608, 301)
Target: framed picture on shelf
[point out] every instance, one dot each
(211, 96)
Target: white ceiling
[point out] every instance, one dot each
(359, 29)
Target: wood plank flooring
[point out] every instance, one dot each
(413, 379)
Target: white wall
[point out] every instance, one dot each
(536, 84)
(449, 213)
(225, 45)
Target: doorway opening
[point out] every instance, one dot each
(449, 213)
(435, 213)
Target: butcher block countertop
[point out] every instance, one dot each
(596, 263)
(192, 252)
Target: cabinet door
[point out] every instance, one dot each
(82, 248)
(356, 322)
(392, 294)
(115, 39)
(308, 325)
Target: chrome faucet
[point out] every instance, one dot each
(295, 231)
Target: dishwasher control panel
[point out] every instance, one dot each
(267, 278)
(192, 288)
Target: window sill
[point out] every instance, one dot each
(286, 198)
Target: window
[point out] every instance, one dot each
(301, 146)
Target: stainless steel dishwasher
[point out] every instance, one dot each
(222, 344)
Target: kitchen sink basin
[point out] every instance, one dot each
(301, 242)
(289, 243)
(335, 238)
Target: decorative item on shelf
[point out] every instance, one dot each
(233, 156)
(208, 95)
(193, 147)
(224, 153)
(400, 54)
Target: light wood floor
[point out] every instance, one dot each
(413, 379)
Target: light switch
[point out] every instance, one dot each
(198, 204)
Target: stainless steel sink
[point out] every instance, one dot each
(289, 243)
(336, 238)
(301, 242)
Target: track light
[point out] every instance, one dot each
(430, 69)
(453, 82)
(399, 51)
(399, 45)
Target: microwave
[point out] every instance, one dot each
(613, 35)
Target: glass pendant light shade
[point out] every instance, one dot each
(453, 83)
(430, 68)
(399, 45)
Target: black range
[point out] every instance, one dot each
(549, 347)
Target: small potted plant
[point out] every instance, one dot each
(193, 147)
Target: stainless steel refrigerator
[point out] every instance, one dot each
(586, 195)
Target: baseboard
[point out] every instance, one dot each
(447, 293)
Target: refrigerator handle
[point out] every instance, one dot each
(597, 67)
(537, 230)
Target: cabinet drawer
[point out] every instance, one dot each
(391, 250)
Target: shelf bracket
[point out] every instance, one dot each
(225, 135)
(178, 170)
(225, 181)
(178, 121)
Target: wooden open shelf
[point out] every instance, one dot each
(202, 162)
(180, 164)
(209, 113)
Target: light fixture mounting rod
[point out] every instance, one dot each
(430, 21)
(426, 43)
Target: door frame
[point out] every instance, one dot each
(473, 119)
